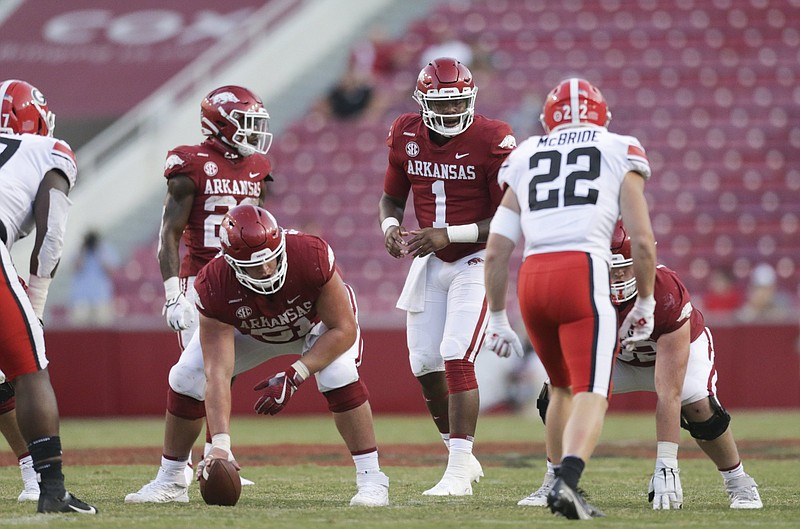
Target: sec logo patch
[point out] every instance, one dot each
(243, 312)
(210, 168)
(412, 149)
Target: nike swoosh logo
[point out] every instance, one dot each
(292, 300)
(459, 155)
(253, 175)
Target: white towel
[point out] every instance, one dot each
(412, 298)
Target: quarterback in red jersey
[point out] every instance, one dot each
(271, 293)
(448, 157)
(203, 182)
(677, 363)
(38, 172)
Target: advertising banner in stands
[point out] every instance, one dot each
(97, 59)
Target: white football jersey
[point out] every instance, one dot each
(568, 186)
(24, 160)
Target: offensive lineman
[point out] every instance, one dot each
(448, 157)
(565, 192)
(272, 292)
(677, 363)
(37, 172)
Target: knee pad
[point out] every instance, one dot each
(347, 398)
(187, 380)
(185, 407)
(7, 394)
(542, 401)
(711, 428)
(460, 376)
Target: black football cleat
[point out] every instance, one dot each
(565, 501)
(67, 504)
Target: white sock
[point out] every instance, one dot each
(172, 470)
(551, 468)
(367, 463)
(459, 444)
(736, 472)
(446, 439)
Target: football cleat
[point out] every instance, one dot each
(373, 490)
(743, 493)
(458, 477)
(563, 500)
(67, 504)
(160, 492)
(539, 497)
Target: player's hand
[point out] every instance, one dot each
(665, 490)
(277, 391)
(500, 337)
(638, 324)
(394, 242)
(214, 453)
(179, 313)
(427, 240)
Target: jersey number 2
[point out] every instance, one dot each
(584, 154)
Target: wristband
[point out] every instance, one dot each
(172, 288)
(388, 222)
(648, 303)
(301, 369)
(37, 293)
(498, 316)
(464, 233)
(221, 440)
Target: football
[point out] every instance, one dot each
(220, 483)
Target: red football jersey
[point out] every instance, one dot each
(453, 184)
(222, 180)
(282, 317)
(673, 309)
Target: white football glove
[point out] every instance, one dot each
(500, 337)
(638, 324)
(179, 313)
(665, 490)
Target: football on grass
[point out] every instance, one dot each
(220, 483)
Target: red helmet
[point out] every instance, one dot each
(236, 116)
(442, 82)
(573, 102)
(250, 236)
(621, 291)
(24, 110)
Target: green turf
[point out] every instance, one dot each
(312, 496)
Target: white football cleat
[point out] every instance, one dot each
(539, 498)
(160, 492)
(373, 490)
(475, 469)
(458, 477)
(743, 493)
(30, 483)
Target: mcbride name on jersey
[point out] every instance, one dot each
(24, 160)
(452, 184)
(222, 180)
(282, 317)
(568, 185)
(673, 309)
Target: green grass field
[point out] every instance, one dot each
(312, 489)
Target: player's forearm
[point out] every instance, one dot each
(668, 419)
(218, 405)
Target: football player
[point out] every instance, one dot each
(271, 293)
(37, 172)
(203, 182)
(677, 363)
(447, 157)
(566, 190)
